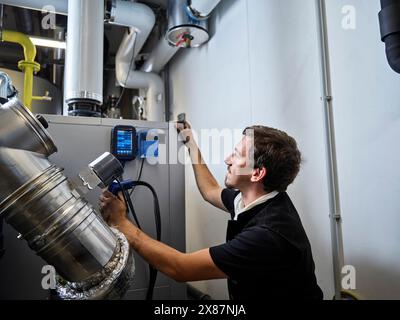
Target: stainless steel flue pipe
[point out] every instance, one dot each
(38, 201)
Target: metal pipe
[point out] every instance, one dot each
(84, 58)
(159, 56)
(28, 66)
(135, 15)
(36, 199)
(202, 9)
(6, 88)
(138, 79)
(334, 197)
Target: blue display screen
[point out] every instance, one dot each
(124, 143)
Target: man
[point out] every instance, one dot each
(267, 254)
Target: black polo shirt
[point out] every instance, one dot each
(267, 254)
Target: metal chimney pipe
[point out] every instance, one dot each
(84, 64)
(92, 260)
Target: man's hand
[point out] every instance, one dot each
(113, 209)
(185, 131)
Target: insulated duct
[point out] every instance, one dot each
(389, 19)
(202, 9)
(84, 58)
(92, 260)
(130, 78)
(185, 30)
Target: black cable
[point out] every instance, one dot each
(128, 202)
(138, 176)
(157, 216)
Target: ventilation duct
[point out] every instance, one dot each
(184, 30)
(92, 260)
(130, 78)
(389, 19)
(84, 58)
(201, 9)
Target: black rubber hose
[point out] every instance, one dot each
(389, 19)
(157, 216)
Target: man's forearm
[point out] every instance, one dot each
(204, 178)
(159, 255)
(179, 266)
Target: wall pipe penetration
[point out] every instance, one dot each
(389, 19)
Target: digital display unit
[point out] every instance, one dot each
(124, 143)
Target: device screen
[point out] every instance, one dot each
(124, 143)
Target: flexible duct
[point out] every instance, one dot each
(389, 19)
(36, 199)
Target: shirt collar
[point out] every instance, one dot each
(240, 208)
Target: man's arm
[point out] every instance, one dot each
(176, 265)
(207, 184)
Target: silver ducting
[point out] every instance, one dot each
(21, 130)
(184, 30)
(92, 260)
(201, 9)
(84, 57)
(6, 88)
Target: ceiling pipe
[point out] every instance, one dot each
(129, 78)
(131, 14)
(181, 21)
(162, 53)
(389, 19)
(84, 78)
(201, 9)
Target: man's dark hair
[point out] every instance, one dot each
(277, 152)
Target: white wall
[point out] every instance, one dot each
(367, 114)
(262, 67)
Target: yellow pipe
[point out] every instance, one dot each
(28, 66)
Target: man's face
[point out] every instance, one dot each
(239, 164)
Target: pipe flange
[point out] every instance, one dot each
(23, 64)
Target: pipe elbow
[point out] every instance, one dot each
(24, 41)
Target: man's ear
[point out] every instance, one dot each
(258, 174)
